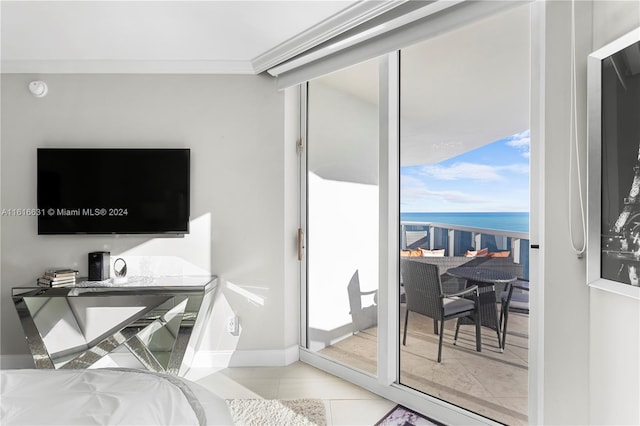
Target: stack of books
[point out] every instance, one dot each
(63, 277)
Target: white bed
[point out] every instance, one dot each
(106, 397)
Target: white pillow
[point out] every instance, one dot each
(432, 253)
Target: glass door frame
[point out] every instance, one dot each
(386, 384)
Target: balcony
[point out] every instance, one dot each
(491, 382)
(456, 240)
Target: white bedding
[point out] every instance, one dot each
(106, 397)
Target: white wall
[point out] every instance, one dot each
(565, 367)
(590, 338)
(234, 126)
(291, 218)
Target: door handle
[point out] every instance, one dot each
(300, 244)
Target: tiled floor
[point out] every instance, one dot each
(346, 404)
(490, 383)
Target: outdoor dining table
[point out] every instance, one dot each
(485, 279)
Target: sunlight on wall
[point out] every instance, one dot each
(251, 297)
(343, 239)
(216, 338)
(191, 253)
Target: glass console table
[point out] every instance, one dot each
(158, 320)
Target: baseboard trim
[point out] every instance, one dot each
(202, 359)
(250, 358)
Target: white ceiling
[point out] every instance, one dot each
(125, 36)
(460, 90)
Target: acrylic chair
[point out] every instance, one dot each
(424, 295)
(512, 301)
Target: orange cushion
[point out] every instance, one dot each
(477, 253)
(500, 254)
(411, 253)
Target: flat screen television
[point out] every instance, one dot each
(113, 191)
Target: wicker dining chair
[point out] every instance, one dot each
(512, 301)
(424, 296)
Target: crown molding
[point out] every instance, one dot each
(91, 66)
(337, 24)
(378, 29)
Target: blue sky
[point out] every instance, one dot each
(492, 178)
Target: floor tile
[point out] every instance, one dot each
(492, 382)
(246, 388)
(345, 403)
(323, 389)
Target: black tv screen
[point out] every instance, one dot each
(113, 191)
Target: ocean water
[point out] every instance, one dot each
(504, 221)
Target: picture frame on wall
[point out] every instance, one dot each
(613, 236)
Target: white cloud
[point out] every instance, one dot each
(521, 141)
(413, 189)
(416, 196)
(418, 182)
(473, 171)
(515, 168)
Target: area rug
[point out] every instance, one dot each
(402, 416)
(278, 412)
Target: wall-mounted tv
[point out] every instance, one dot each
(113, 191)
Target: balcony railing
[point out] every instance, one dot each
(457, 239)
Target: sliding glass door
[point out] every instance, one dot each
(342, 216)
(424, 153)
(464, 191)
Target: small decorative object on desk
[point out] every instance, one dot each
(58, 277)
(120, 271)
